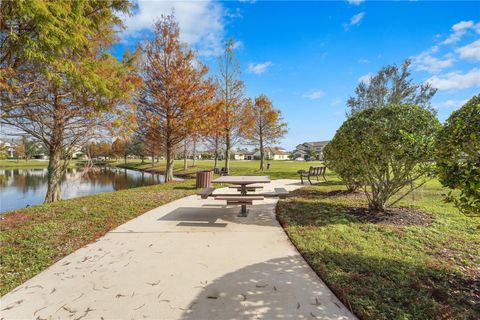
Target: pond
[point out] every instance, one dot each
(26, 187)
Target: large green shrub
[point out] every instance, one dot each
(387, 150)
(340, 161)
(458, 156)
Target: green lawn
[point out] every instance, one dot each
(385, 270)
(34, 238)
(278, 169)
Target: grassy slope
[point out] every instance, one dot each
(34, 238)
(387, 271)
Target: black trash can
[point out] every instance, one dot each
(204, 179)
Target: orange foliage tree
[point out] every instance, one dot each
(175, 95)
(119, 148)
(152, 143)
(268, 126)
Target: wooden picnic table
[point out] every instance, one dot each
(243, 182)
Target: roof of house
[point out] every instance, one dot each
(244, 151)
(315, 144)
(318, 143)
(277, 150)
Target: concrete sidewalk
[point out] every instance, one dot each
(189, 259)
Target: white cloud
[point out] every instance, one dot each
(357, 18)
(470, 51)
(314, 95)
(258, 68)
(458, 31)
(355, 2)
(462, 25)
(363, 61)
(456, 80)
(238, 45)
(447, 104)
(201, 22)
(336, 102)
(366, 78)
(354, 20)
(426, 62)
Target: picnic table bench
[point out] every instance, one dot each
(249, 188)
(234, 199)
(205, 193)
(314, 171)
(281, 192)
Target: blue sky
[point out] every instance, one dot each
(308, 57)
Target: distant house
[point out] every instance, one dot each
(273, 153)
(304, 150)
(8, 148)
(250, 155)
(209, 154)
(243, 154)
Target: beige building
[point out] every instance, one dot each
(305, 149)
(273, 153)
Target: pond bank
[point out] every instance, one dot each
(27, 186)
(146, 167)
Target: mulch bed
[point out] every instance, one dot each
(344, 193)
(393, 216)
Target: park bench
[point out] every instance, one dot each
(313, 172)
(222, 171)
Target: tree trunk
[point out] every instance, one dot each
(227, 152)
(377, 206)
(194, 152)
(55, 168)
(169, 164)
(54, 175)
(125, 158)
(378, 200)
(262, 156)
(153, 159)
(215, 152)
(185, 164)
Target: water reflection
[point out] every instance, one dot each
(22, 187)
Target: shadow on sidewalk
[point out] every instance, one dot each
(210, 215)
(279, 288)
